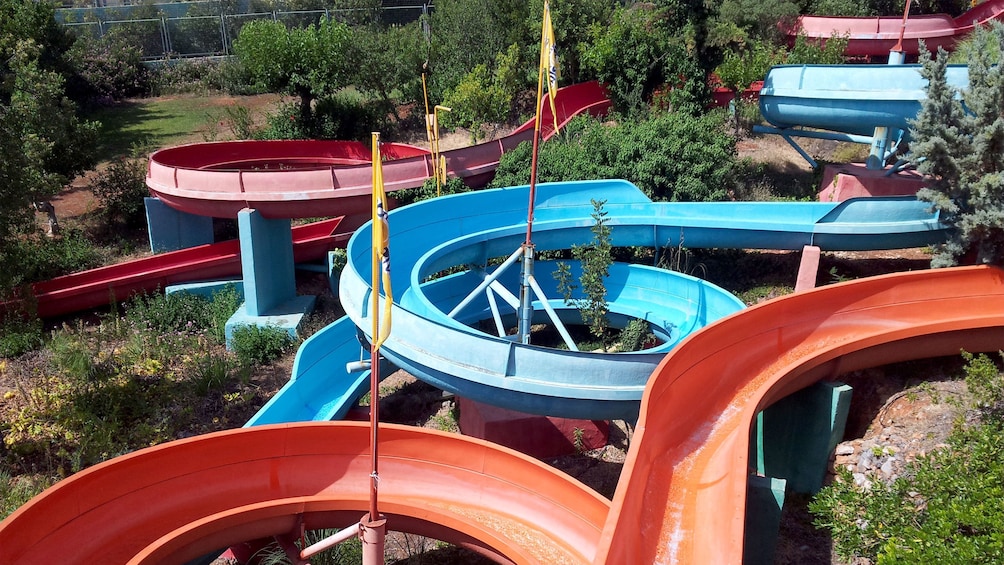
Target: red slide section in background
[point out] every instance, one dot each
(97, 287)
(876, 36)
(301, 179)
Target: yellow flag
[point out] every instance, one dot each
(549, 60)
(381, 249)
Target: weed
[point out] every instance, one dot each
(578, 439)
(636, 335)
(15, 491)
(260, 345)
(346, 553)
(985, 383)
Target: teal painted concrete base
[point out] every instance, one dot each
(798, 434)
(764, 502)
(288, 316)
(171, 230)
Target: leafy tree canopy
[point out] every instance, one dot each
(43, 144)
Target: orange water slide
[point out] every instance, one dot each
(181, 500)
(682, 493)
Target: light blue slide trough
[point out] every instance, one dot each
(475, 231)
(848, 102)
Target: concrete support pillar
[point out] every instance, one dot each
(266, 261)
(764, 502)
(171, 230)
(797, 434)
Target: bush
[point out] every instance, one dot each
(108, 69)
(40, 258)
(948, 507)
(18, 337)
(671, 157)
(163, 313)
(121, 189)
(260, 345)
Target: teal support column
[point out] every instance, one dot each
(171, 230)
(269, 276)
(266, 261)
(764, 502)
(795, 436)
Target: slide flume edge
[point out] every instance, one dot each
(682, 493)
(184, 499)
(681, 497)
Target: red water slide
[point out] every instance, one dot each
(681, 497)
(282, 179)
(682, 493)
(876, 36)
(297, 179)
(98, 287)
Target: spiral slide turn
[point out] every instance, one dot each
(681, 497)
(876, 36)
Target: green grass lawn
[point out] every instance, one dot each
(154, 123)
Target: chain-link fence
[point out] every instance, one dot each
(212, 35)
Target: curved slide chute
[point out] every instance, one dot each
(304, 179)
(852, 99)
(178, 501)
(681, 498)
(682, 493)
(431, 236)
(97, 287)
(876, 36)
(472, 229)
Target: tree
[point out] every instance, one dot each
(43, 144)
(306, 62)
(645, 49)
(671, 156)
(394, 57)
(595, 258)
(959, 143)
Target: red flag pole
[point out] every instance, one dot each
(372, 530)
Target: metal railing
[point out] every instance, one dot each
(213, 35)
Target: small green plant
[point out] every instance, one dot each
(447, 419)
(15, 491)
(596, 259)
(211, 372)
(19, 336)
(346, 553)
(636, 335)
(985, 383)
(578, 439)
(260, 345)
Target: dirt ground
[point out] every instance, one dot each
(891, 407)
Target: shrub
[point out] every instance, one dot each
(121, 189)
(109, 68)
(260, 345)
(670, 157)
(19, 336)
(636, 335)
(41, 258)
(163, 313)
(948, 507)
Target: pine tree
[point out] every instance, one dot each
(959, 138)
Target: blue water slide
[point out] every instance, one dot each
(471, 233)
